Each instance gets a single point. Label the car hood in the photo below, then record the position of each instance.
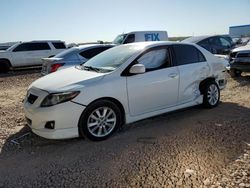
(67, 79)
(242, 48)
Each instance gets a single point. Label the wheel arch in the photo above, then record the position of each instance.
(115, 101)
(6, 60)
(204, 82)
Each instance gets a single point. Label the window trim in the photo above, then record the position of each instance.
(126, 72)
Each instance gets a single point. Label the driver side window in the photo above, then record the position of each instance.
(155, 59)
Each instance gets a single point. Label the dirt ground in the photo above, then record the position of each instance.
(194, 147)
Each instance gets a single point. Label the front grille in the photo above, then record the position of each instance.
(32, 98)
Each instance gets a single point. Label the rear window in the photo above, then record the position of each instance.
(187, 54)
(34, 46)
(59, 45)
(93, 52)
(67, 52)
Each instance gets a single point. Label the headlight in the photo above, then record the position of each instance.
(56, 98)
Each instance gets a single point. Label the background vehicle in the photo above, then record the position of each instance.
(124, 84)
(26, 54)
(141, 36)
(239, 60)
(73, 56)
(6, 45)
(217, 44)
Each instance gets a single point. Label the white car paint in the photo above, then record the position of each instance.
(142, 95)
(28, 58)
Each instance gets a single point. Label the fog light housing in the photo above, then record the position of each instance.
(50, 125)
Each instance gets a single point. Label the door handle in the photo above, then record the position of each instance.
(172, 75)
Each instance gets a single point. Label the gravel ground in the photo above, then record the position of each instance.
(194, 147)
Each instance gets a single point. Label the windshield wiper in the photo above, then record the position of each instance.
(91, 68)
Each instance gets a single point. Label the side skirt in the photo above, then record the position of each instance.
(131, 119)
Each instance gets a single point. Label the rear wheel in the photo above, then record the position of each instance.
(235, 73)
(4, 66)
(100, 120)
(211, 95)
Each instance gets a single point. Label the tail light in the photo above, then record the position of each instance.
(55, 66)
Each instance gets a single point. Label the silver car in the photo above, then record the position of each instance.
(72, 57)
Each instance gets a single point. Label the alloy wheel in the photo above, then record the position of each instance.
(101, 121)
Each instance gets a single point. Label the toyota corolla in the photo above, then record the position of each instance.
(122, 85)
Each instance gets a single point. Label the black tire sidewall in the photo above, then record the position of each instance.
(83, 129)
(4, 67)
(205, 98)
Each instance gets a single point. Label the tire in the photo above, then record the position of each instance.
(235, 73)
(211, 97)
(4, 66)
(93, 123)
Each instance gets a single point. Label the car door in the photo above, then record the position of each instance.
(157, 88)
(38, 50)
(19, 55)
(27, 54)
(193, 68)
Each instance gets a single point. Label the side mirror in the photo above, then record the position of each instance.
(137, 69)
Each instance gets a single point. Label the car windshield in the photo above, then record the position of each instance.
(119, 39)
(111, 59)
(65, 53)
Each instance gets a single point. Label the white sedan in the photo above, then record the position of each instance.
(122, 85)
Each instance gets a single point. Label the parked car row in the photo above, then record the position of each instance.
(31, 53)
(238, 57)
(95, 89)
(122, 85)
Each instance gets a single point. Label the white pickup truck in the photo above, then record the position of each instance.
(25, 54)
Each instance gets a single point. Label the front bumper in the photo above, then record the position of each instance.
(65, 115)
(242, 64)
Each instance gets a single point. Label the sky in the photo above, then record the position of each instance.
(92, 20)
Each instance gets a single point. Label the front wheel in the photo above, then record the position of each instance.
(211, 95)
(100, 120)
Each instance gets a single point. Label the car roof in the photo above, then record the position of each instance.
(155, 43)
(149, 31)
(197, 39)
(85, 46)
